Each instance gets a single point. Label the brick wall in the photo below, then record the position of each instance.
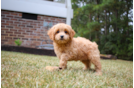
(32, 33)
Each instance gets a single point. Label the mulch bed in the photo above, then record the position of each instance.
(28, 50)
(41, 51)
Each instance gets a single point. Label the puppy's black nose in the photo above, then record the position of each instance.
(61, 36)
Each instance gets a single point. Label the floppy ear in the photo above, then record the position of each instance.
(51, 33)
(72, 33)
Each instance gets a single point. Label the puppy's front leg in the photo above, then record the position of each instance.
(63, 63)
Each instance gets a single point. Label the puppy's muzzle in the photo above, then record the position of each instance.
(61, 37)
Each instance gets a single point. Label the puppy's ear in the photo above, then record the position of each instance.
(72, 33)
(51, 33)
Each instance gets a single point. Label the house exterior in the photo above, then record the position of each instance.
(29, 20)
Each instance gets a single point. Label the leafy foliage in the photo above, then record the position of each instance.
(18, 42)
(108, 22)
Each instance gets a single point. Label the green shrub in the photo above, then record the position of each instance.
(18, 42)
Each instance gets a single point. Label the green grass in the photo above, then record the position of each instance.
(19, 70)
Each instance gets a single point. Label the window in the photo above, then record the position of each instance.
(29, 16)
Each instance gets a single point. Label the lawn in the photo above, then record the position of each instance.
(19, 70)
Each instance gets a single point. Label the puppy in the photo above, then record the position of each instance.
(68, 48)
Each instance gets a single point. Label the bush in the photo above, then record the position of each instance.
(18, 42)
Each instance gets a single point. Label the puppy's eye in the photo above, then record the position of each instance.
(66, 32)
(57, 32)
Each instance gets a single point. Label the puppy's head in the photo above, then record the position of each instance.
(61, 33)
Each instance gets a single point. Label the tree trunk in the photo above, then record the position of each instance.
(90, 20)
(115, 23)
(127, 17)
(105, 22)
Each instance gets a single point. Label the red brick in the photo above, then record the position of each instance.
(5, 18)
(25, 33)
(13, 19)
(37, 32)
(40, 24)
(4, 40)
(15, 14)
(13, 35)
(25, 28)
(9, 26)
(8, 37)
(46, 18)
(3, 15)
(16, 22)
(17, 17)
(52, 18)
(15, 38)
(5, 24)
(12, 24)
(21, 25)
(29, 31)
(58, 19)
(11, 32)
(32, 29)
(36, 26)
(33, 39)
(24, 23)
(36, 37)
(24, 38)
(9, 16)
(4, 29)
(17, 32)
(29, 26)
(28, 36)
(2, 37)
(4, 34)
(44, 42)
(20, 35)
(11, 42)
(21, 30)
(36, 42)
(39, 40)
(33, 34)
(37, 22)
(29, 21)
(9, 21)
(3, 21)
(40, 34)
(39, 17)
(21, 20)
(6, 12)
(20, 14)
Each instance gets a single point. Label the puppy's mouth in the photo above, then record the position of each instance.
(61, 39)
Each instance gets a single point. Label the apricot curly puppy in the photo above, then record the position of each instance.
(68, 48)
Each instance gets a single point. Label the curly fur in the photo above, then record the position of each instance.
(69, 48)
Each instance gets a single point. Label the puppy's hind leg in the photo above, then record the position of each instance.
(87, 64)
(97, 63)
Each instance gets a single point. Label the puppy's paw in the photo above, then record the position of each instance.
(98, 73)
(51, 68)
(60, 68)
(85, 68)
